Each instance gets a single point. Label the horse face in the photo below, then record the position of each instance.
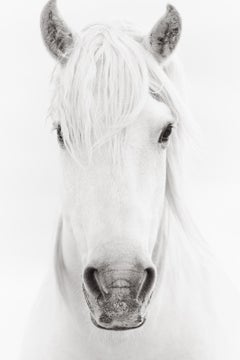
(114, 212)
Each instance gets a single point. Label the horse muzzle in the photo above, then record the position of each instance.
(118, 296)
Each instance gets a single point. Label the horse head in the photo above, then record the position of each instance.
(114, 130)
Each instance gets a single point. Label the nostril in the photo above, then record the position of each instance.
(91, 282)
(147, 284)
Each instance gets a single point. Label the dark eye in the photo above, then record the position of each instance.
(59, 135)
(164, 137)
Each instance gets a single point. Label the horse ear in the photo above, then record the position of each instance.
(165, 34)
(56, 35)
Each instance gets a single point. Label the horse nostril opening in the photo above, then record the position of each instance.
(91, 282)
(147, 284)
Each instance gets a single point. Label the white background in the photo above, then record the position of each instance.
(29, 177)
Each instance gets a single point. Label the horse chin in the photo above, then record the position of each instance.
(116, 313)
(118, 325)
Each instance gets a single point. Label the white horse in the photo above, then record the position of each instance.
(132, 279)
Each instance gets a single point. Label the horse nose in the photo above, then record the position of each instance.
(134, 281)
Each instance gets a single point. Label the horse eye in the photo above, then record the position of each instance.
(59, 135)
(164, 137)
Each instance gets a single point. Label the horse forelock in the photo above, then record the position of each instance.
(100, 90)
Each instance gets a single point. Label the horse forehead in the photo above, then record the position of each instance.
(155, 112)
